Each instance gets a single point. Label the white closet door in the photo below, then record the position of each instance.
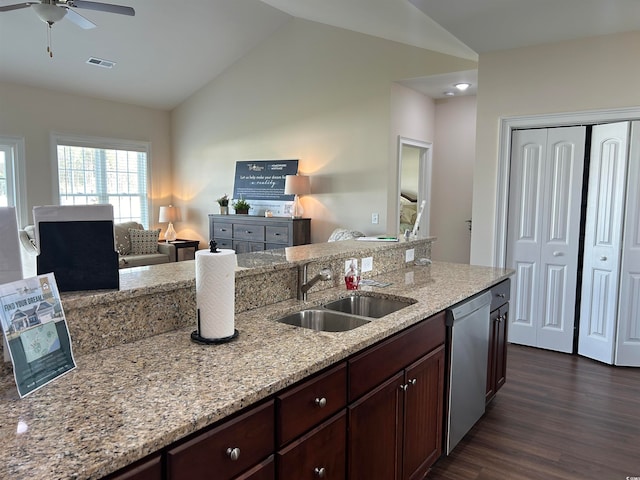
(603, 241)
(543, 234)
(628, 338)
(528, 152)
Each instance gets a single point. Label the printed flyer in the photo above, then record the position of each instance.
(36, 332)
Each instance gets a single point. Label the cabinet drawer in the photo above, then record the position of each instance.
(150, 469)
(500, 294)
(222, 230)
(243, 231)
(319, 454)
(224, 243)
(308, 404)
(277, 234)
(251, 433)
(376, 364)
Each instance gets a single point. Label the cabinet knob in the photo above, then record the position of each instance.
(413, 381)
(320, 402)
(404, 387)
(603, 258)
(233, 453)
(558, 254)
(320, 472)
(500, 295)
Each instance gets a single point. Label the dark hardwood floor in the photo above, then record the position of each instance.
(558, 417)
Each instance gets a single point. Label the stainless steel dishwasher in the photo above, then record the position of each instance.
(468, 330)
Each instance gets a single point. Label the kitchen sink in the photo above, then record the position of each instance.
(324, 320)
(366, 306)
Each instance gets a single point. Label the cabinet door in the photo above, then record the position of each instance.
(319, 454)
(423, 414)
(491, 356)
(502, 325)
(375, 432)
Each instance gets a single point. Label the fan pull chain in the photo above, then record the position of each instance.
(49, 49)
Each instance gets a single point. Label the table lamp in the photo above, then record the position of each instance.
(169, 214)
(297, 185)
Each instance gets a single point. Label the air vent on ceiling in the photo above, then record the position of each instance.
(100, 62)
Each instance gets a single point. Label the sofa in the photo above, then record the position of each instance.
(136, 247)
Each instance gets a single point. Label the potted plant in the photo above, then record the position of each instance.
(223, 201)
(241, 206)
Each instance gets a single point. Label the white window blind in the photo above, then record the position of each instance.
(98, 172)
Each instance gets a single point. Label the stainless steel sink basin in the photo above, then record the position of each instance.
(366, 306)
(324, 320)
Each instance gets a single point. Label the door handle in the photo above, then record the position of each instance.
(558, 254)
(603, 258)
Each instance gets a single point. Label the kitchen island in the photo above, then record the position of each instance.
(125, 402)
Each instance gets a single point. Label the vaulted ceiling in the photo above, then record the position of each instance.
(170, 49)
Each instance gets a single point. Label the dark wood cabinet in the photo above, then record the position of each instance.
(308, 404)
(395, 428)
(321, 453)
(375, 432)
(228, 450)
(246, 233)
(423, 414)
(498, 329)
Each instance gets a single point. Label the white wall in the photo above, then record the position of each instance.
(452, 181)
(589, 74)
(413, 117)
(34, 113)
(313, 92)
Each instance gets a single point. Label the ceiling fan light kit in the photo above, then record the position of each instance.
(52, 11)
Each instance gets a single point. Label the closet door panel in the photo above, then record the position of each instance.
(560, 239)
(628, 338)
(523, 231)
(603, 241)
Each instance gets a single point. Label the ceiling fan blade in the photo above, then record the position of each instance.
(16, 6)
(79, 20)
(102, 7)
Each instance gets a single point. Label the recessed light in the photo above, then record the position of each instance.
(462, 86)
(449, 94)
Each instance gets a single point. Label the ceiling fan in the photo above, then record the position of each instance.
(52, 11)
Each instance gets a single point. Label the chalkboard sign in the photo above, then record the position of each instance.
(263, 179)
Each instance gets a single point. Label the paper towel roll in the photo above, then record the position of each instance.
(215, 293)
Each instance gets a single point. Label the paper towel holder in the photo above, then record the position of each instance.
(195, 336)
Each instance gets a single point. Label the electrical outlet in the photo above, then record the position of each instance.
(347, 264)
(367, 264)
(409, 255)
(375, 218)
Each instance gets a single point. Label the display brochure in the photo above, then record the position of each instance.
(36, 332)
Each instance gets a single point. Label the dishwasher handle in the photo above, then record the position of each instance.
(467, 307)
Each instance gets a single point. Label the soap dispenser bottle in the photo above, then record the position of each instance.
(351, 276)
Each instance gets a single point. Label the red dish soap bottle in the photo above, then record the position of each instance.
(351, 276)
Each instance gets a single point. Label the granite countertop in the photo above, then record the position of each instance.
(126, 402)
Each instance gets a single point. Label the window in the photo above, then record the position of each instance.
(98, 171)
(12, 188)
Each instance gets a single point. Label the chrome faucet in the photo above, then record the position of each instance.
(304, 285)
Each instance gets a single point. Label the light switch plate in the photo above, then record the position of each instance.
(409, 255)
(367, 264)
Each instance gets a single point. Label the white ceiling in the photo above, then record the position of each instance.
(170, 49)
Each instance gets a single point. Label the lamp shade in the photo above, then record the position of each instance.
(297, 185)
(169, 214)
